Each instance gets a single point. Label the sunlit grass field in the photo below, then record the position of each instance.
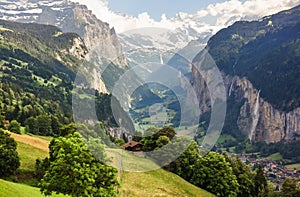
(146, 183)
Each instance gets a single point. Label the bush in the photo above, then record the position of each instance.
(14, 127)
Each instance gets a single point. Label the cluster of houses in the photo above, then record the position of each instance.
(274, 170)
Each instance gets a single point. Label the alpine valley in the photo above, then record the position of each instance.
(45, 44)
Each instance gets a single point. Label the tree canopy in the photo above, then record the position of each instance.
(290, 188)
(14, 127)
(75, 171)
(214, 174)
(9, 159)
(244, 175)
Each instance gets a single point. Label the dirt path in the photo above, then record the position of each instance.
(119, 167)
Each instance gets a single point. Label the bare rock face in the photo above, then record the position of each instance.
(71, 17)
(260, 120)
(275, 126)
(77, 49)
(201, 89)
(257, 118)
(95, 33)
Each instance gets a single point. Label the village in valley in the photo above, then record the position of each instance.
(275, 170)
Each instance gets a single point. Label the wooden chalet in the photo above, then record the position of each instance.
(133, 146)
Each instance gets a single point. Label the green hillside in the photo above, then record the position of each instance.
(152, 183)
(133, 184)
(37, 70)
(38, 65)
(18, 190)
(157, 183)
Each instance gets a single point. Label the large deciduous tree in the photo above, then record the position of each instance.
(75, 171)
(183, 165)
(213, 173)
(244, 175)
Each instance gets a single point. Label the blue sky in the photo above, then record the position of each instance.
(156, 8)
(147, 13)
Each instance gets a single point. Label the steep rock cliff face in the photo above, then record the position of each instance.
(257, 118)
(72, 17)
(260, 64)
(96, 34)
(77, 48)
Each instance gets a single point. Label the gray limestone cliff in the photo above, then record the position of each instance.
(257, 118)
(260, 65)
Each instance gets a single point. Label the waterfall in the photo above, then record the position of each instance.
(230, 88)
(161, 59)
(255, 117)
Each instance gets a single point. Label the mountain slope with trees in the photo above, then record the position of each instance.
(38, 68)
(266, 52)
(260, 64)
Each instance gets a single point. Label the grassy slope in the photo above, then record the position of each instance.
(157, 183)
(28, 155)
(18, 190)
(29, 149)
(152, 183)
(275, 156)
(293, 166)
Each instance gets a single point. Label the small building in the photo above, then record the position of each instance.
(133, 146)
(6, 123)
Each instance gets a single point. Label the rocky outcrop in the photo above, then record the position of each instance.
(275, 125)
(257, 118)
(77, 49)
(96, 34)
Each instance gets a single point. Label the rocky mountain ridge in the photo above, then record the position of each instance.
(71, 17)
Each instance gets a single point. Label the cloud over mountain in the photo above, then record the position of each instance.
(215, 16)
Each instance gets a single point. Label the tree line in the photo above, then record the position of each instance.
(215, 172)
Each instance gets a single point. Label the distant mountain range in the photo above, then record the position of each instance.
(169, 35)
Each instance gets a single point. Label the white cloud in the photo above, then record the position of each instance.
(215, 16)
